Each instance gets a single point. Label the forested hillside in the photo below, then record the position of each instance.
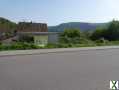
(77, 25)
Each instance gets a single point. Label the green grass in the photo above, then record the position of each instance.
(28, 46)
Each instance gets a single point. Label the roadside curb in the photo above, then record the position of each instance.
(47, 51)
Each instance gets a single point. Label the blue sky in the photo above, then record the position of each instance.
(55, 12)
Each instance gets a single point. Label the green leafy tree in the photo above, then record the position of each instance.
(86, 34)
(98, 34)
(70, 36)
(113, 31)
(7, 27)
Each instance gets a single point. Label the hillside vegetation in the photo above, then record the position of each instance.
(7, 28)
(101, 36)
(7, 25)
(77, 25)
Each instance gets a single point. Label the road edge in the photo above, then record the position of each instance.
(47, 51)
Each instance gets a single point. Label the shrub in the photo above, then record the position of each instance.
(70, 36)
(18, 46)
(50, 46)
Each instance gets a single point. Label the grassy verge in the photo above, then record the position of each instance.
(28, 46)
(18, 46)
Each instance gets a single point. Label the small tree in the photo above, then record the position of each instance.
(86, 34)
(70, 36)
(113, 31)
(98, 34)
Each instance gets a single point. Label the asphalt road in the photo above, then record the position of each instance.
(80, 70)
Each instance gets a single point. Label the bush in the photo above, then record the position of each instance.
(59, 45)
(50, 46)
(0, 43)
(98, 33)
(64, 45)
(101, 42)
(113, 43)
(70, 36)
(18, 46)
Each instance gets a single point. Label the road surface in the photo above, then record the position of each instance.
(77, 70)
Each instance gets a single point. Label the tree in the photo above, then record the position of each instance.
(7, 25)
(113, 31)
(70, 36)
(98, 34)
(7, 28)
(86, 34)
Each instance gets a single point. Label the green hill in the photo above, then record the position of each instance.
(78, 25)
(7, 25)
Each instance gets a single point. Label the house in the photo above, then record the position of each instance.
(38, 31)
